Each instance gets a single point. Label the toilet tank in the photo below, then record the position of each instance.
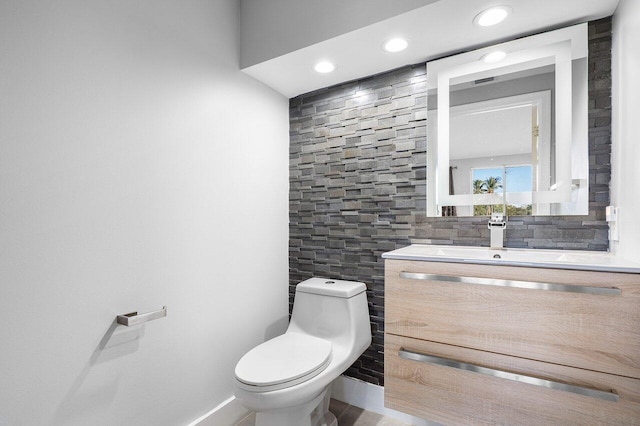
(335, 310)
(329, 287)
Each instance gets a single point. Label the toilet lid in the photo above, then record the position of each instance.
(286, 358)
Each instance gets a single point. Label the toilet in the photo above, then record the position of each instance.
(286, 380)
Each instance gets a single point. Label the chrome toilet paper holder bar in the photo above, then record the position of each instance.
(133, 318)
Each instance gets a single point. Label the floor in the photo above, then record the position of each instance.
(347, 415)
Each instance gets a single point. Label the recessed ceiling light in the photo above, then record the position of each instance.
(324, 67)
(493, 57)
(492, 16)
(395, 45)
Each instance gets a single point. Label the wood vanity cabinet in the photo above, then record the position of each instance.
(486, 344)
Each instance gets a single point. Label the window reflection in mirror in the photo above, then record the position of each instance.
(510, 186)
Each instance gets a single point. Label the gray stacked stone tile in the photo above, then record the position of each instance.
(358, 184)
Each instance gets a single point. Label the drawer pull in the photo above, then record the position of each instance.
(432, 359)
(609, 291)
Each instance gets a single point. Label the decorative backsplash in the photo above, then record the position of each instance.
(357, 184)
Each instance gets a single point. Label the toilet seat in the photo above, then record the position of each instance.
(284, 361)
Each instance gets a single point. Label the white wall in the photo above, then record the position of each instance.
(625, 180)
(277, 27)
(138, 168)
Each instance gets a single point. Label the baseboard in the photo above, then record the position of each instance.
(352, 391)
(227, 413)
(369, 397)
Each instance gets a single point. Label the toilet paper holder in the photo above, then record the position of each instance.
(133, 318)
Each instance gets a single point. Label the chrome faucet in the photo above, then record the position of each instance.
(497, 224)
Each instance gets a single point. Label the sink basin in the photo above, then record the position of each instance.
(478, 253)
(523, 255)
(563, 259)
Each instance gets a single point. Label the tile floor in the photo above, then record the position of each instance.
(347, 415)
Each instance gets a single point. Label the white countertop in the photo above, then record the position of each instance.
(558, 259)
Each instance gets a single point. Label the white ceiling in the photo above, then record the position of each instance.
(493, 133)
(436, 30)
(272, 28)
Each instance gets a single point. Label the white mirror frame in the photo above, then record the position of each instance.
(558, 47)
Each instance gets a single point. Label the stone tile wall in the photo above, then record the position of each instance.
(357, 184)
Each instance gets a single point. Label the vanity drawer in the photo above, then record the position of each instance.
(566, 321)
(449, 395)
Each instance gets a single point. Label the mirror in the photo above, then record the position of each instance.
(510, 135)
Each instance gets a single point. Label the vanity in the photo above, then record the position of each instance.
(514, 336)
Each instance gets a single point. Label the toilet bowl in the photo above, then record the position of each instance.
(286, 380)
